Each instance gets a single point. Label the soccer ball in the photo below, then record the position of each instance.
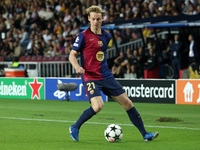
(113, 133)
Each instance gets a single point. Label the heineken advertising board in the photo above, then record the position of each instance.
(22, 88)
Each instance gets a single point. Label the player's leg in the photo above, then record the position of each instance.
(97, 104)
(74, 129)
(134, 116)
(115, 90)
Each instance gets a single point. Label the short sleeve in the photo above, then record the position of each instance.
(79, 43)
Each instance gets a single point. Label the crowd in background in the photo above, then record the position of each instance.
(49, 27)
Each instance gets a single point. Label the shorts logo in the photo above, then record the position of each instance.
(100, 43)
(92, 92)
(100, 56)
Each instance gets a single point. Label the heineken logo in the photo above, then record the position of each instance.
(35, 86)
(13, 89)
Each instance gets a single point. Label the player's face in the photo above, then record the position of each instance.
(95, 20)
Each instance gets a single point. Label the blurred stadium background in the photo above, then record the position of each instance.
(36, 37)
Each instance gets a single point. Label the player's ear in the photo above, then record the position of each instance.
(88, 18)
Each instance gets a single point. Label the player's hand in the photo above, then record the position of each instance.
(80, 70)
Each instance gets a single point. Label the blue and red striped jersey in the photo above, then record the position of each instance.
(92, 48)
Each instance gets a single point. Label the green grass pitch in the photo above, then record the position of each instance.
(44, 125)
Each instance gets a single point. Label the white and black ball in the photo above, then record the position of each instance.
(113, 133)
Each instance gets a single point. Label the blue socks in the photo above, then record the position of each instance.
(87, 114)
(132, 113)
(136, 120)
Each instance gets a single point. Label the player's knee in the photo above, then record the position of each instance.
(128, 104)
(98, 108)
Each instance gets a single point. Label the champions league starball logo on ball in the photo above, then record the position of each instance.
(113, 133)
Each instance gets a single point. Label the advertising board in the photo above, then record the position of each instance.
(52, 93)
(22, 88)
(151, 91)
(188, 92)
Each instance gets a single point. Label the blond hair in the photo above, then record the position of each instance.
(95, 9)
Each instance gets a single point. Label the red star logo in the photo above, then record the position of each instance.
(35, 86)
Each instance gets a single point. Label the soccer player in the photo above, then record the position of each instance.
(96, 75)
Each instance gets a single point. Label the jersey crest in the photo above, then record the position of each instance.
(100, 43)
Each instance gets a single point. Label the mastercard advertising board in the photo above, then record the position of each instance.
(188, 92)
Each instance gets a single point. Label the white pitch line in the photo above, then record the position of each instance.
(47, 120)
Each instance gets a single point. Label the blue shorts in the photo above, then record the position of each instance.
(109, 87)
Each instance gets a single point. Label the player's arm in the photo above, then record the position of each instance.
(74, 62)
